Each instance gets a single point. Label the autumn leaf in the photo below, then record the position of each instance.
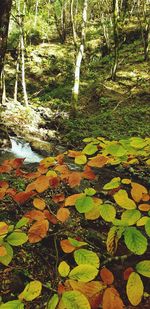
(4, 184)
(3, 228)
(5, 168)
(32, 175)
(66, 246)
(58, 198)
(63, 214)
(47, 162)
(17, 162)
(3, 250)
(42, 169)
(50, 217)
(38, 231)
(134, 289)
(127, 273)
(36, 215)
(42, 183)
(39, 203)
(12, 192)
(106, 275)
(98, 161)
(70, 200)
(22, 197)
(144, 207)
(2, 193)
(111, 299)
(74, 179)
(74, 153)
(88, 173)
(137, 191)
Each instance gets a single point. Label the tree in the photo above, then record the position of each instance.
(5, 8)
(115, 34)
(75, 90)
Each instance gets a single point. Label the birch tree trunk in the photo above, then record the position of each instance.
(75, 90)
(116, 41)
(5, 8)
(74, 34)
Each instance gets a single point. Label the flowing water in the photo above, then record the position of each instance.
(20, 149)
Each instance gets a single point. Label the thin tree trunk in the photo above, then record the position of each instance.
(36, 13)
(3, 87)
(73, 23)
(75, 90)
(115, 33)
(17, 75)
(5, 8)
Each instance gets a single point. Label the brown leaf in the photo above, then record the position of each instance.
(137, 191)
(127, 273)
(74, 179)
(42, 183)
(66, 246)
(63, 214)
(144, 207)
(4, 184)
(98, 161)
(106, 275)
(58, 198)
(50, 217)
(38, 231)
(112, 300)
(88, 173)
(35, 215)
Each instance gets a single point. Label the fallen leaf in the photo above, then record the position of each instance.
(106, 275)
(63, 214)
(38, 231)
(39, 203)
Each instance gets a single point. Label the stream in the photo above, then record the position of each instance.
(20, 149)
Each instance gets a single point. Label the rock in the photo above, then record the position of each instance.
(42, 147)
(4, 137)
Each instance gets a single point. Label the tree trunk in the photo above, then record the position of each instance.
(75, 90)
(116, 41)
(73, 23)
(5, 8)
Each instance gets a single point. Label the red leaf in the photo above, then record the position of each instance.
(54, 182)
(22, 197)
(88, 173)
(17, 162)
(50, 217)
(107, 276)
(127, 273)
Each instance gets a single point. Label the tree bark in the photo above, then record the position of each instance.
(5, 8)
(116, 41)
(75, 90)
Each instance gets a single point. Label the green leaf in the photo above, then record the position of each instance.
(147, 227)
(113, 184)
(22, 222)
(75, 300)
(76, 243)
(13, 304)
(107, 212)
(84, 204)
(131, 216)
(135, 241)
(6, 259)
(53, 302)
(64, 269)
(83, 256)
(137, 142)
(116, 150)
(17, 238)
(84, 273)
(90, 191)
(31, 291)
(143, 268)
(90, 149)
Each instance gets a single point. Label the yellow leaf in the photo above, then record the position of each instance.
(82, 159)
(3, 228)
(122, 199)
(126, 181)
(39, 203)
(62, 214)
(142, 221)
(51, 173)
(134, 289)
(49, 161)
(64, 269)
(31, 291)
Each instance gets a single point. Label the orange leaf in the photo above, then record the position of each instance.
(63, 170)
(4, 184)
(3, 228)
(107, 276)
(5, 168)
(35, 215)
(88, 173)
(20, 173)
(66, 246)
(38, 231)
(30, 187)
(145, 197)
(112, 300)
(137, 191)
(60, 158)
(74, 179)
(61, 288)
(3, 251)
(54, 182)
(63, 214)
(70, 200)
(22, 197)
(58, 198)
(144, 207)
(32, 175)
(42, 183)
(10, 191)
(50, 217)
(2, 193)
(98, 161)
(127, 273)
(74, 153)
(42, 169)
(39, 203)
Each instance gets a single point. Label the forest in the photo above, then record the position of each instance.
(74, 154)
